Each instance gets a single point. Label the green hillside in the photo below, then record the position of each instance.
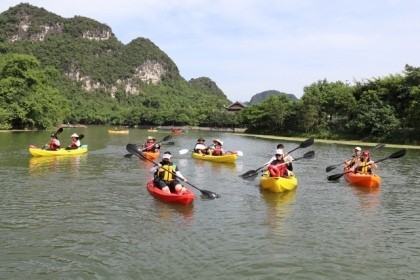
(102, 80)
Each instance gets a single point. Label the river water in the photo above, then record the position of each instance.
(91, 217)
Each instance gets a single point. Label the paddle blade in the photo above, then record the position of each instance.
(398, 154)
(209, 194)
(59, 130)
(309, 155)
(379, 145)
(184, 151)
(335, 177)
(249, 173)
(128, 155)
(166, 138)
(306, 143)
(331, 167)
(239, 153)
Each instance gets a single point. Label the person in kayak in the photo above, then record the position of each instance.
(286, 157)
(150, 145)
(278, 167)
(216, 149)
(74, 142)
(54, 143)
(166, 174)
(200, 147)
(365, 165)
(355, 158)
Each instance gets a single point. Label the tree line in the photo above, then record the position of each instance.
(379, 109)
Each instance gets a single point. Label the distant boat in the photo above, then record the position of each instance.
(118, 131)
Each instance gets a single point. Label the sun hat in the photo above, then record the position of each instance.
(218, 141)
(167, 155)
(150, 138)
(74, 135)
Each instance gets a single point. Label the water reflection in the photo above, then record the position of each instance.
(171, 211)
(38, 165)
(279, 207)
(369, 197)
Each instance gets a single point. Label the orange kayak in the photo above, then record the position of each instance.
(184, 199)
(364, 180)
(151, 155)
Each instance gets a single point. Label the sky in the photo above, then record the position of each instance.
(250, 46)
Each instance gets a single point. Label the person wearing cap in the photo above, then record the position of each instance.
(200, 147)
(355, 158)
(216, 149)
(54, 143)
(365, 165)
(150, 145)
(166, 174)
(286, 157)
(277, 167)
(74, 141)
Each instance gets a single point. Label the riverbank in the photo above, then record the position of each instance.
(339, 142)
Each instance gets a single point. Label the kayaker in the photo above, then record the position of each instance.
(365, 165)
(216, 149)
(150, 145)
(200, 147)
(286, 157)
(355, 158)
(74, 142)
(54, 143)
(277, 167)
(166, 174)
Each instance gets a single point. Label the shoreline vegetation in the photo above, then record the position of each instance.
(326, 141)
(273, 137)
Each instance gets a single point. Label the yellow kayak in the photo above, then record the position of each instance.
(278, 184)
(229, 158)
(38, 152)
(118, 131)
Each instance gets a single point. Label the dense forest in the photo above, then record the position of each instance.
(55, 70)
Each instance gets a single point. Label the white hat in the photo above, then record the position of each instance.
(150, 138)
(167, 155)
(74, 135)
(218, 141)
(358, 148)
(279, 152)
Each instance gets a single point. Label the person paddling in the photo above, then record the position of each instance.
(277, 167)
(365, 165)
(355, 158)
(166, 174)
(200, 147)
(54, 143)
(74, 142)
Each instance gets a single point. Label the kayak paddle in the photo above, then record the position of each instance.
(398, 154)
(166, 138)
(254, 173)
(132, 148)
(252, 176)
(332, 167)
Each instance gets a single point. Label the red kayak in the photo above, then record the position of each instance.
(184, 199)
(364, 180)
